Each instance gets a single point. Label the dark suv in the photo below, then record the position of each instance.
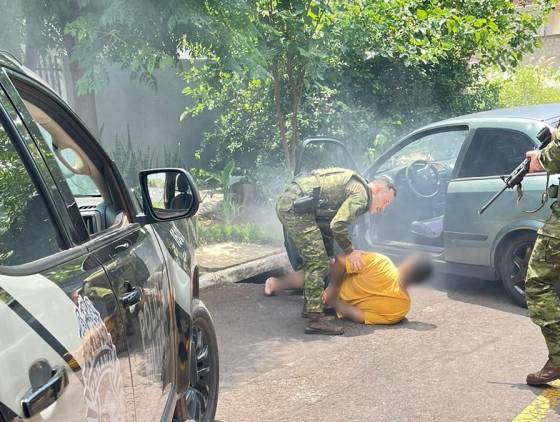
(99, 307)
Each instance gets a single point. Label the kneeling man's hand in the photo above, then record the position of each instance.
(356, 261)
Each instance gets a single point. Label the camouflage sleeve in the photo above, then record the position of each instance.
(550, 156)
(354, 205)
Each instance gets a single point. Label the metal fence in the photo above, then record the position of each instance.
(50, 67)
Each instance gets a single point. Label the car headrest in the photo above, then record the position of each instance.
(183, 183)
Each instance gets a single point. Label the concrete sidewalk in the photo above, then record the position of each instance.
(230, 262)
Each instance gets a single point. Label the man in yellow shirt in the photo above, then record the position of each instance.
(376, 294)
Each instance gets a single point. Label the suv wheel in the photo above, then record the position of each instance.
(202, 396)
(513, 265)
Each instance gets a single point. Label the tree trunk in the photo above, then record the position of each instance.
(84, 105)
(296, 87)
(280, 117)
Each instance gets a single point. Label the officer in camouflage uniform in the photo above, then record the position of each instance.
(544, 271)
(341, 196)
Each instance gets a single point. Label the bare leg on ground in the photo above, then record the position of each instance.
(292, 280)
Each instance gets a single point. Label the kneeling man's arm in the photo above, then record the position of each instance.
(336, 273)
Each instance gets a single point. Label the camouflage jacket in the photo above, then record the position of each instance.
(344, 196)
(550, 160)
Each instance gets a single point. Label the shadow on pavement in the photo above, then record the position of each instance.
(488, 293)
(353, 329)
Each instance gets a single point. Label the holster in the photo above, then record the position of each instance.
(308, 203)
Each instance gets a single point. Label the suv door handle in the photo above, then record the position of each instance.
(38, 399)
(121, 247)
(132, 297)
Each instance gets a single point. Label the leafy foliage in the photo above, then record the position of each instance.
(537, 83)
(365, 71)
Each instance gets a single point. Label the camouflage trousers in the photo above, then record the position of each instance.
(542, 298)
(308, 240)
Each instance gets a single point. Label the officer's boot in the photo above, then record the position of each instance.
(547, 374)
(321, 324)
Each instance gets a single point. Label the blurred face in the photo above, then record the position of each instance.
(405, 267)
(381, 197)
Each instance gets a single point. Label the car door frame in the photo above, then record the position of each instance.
(414, 136)
(46, 187)
(325, 140)
(397, 250)
(478, 240)
(72, 225)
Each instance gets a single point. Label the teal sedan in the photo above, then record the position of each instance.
(444, 173)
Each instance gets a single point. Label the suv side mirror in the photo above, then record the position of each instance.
(168, 194)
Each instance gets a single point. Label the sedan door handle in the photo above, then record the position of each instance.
(131, 297)
(38, 399)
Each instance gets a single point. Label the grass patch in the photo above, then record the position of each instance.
(242, 233)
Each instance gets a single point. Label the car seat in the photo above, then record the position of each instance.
(427, 231)
(184, 200)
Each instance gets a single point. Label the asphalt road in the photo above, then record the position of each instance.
(462, 355)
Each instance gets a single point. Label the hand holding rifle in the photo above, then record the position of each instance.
(531, 164)
(535, 165)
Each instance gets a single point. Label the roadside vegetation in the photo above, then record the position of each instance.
(274, 72)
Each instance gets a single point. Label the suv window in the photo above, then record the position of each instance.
(27, 232)
(79, 184)
(442, 147)
(495, 152)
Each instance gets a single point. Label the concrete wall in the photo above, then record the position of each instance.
(549, 51)
(550, 41)
(151, 115)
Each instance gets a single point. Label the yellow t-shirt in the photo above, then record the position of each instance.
(376, 290)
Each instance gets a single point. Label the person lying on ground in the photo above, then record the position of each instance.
(376, 294)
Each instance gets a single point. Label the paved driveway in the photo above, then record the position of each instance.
(462, 356)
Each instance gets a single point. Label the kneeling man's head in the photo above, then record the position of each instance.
(416, 269)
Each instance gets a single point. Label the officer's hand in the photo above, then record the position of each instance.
(328, 296)
(535, 165)
(356, 261)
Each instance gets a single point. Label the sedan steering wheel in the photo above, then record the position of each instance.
(423, 178)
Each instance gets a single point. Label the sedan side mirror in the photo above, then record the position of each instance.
(168, 194)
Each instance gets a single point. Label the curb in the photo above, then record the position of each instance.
(245, 270)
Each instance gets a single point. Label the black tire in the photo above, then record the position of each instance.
(204, 338)
(512, 265)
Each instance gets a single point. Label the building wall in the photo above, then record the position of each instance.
(151, 116)
(550, 41)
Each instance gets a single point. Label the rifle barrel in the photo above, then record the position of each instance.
(485, 206)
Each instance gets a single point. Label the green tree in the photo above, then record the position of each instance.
(537, 83)
(139, 35)
(397, 62)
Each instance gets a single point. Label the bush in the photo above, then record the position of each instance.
(537, 83)
(246, 233)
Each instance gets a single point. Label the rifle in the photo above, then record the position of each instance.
(516, 176)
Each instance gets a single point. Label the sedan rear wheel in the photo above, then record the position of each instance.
(513, 265)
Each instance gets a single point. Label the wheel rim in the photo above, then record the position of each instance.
(519, 262)
(200, 393)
